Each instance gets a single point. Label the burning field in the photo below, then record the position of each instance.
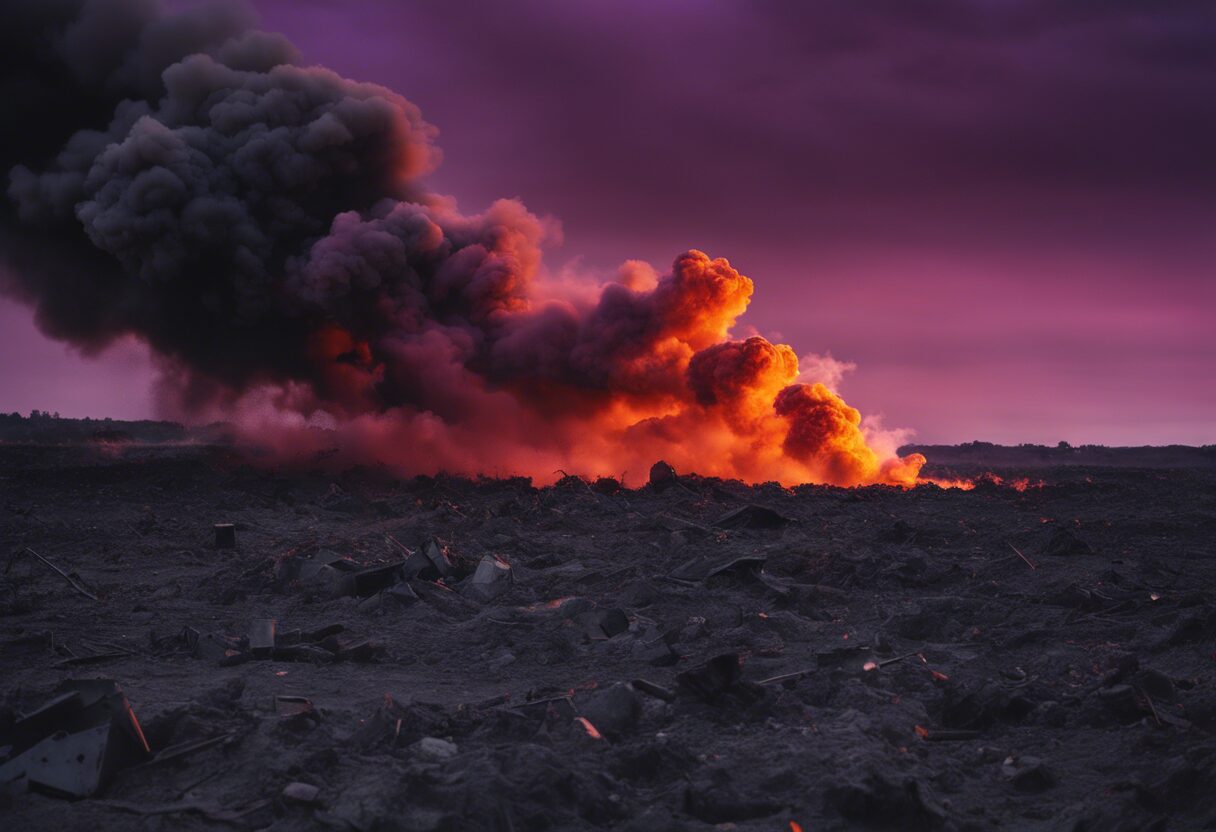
(365, 651)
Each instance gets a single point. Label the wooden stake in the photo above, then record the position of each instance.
(75, 584)
(1018, 552)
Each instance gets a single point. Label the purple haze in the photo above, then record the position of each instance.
(1004, 214)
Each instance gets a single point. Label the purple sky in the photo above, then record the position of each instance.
(1003, 213)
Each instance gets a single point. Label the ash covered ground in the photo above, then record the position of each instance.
(654, 659)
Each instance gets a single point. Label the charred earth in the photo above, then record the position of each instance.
(367, 652)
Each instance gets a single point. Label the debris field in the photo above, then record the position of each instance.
(191, 642)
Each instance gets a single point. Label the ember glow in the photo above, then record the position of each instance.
(266, 229)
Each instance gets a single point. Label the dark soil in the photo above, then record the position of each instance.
(925, 659)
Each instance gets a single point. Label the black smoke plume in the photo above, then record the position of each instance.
(264, 227)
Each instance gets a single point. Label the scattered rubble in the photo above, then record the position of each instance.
(436, 653)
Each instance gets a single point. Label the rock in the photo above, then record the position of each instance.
(301, 792)
(601, 624)
(1192, 628)
(613, 710)
(1029, 774)
(492, 578)
(1064, 543)
(430, 563)
(718, 678)
(662, 476)
(606, 485)
(751, 517)
(436, 749)
(1121, 702)
(261, 637)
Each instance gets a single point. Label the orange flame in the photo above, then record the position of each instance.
(591, 730)
(661, 379)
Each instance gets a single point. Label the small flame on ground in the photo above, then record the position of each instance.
(591, 730)
(989, 478)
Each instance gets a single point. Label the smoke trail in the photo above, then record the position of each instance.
(264, 228)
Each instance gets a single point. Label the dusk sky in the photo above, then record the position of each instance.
(1004, 213)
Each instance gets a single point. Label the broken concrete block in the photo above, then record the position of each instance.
(402, 594)
(430, 563)
(601, 624)
(261, 637)
(76, 742)
(367, 582)
(324, 573)
(225, 536)
(492, 578)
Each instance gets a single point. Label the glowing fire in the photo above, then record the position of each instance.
(678, 388)
(1018, 484)
(591, 730)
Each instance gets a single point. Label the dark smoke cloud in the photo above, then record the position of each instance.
(217, 164)
(263, 226)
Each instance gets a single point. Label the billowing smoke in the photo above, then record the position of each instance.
(264, 227)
